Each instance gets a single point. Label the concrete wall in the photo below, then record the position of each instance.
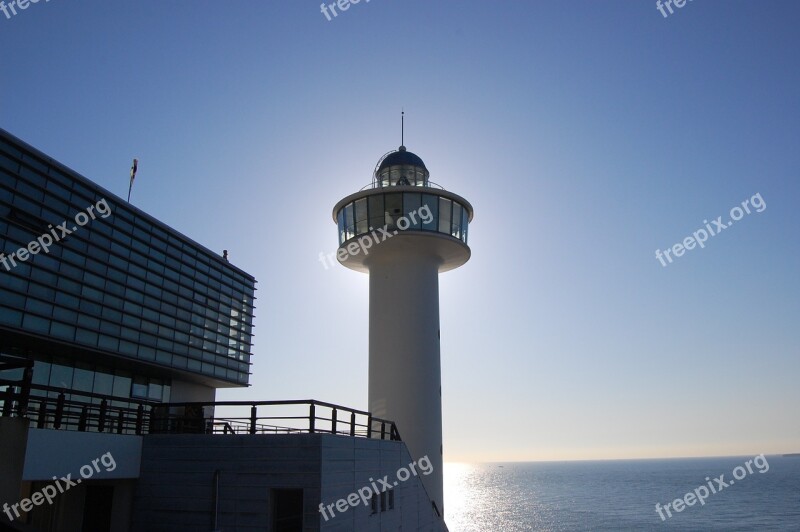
(175, 489)
(13, 443)
(351, 464)
(60, 452)
(190, 392)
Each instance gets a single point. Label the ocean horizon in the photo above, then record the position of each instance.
(606, 495)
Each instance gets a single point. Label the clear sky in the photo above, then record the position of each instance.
(587, 134)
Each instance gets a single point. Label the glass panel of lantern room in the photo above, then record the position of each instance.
(456, 232)
(409, 175)
(445, 206)
(340, 219)
(349, 224)
(420, 180)
(394, 175)
(411, 206)
(394, 209)
(376, 212)
(429, 212)
(361, 216)
(464, 224)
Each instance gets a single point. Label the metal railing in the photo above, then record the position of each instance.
(56, 408)
(269, 417)
(375, 184)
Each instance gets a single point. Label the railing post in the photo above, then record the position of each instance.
(333, 422)
(41, 420)
(369, 426)
(25, 392)
(120, 421)
(352, 424)
(82, 419)
(139, 419)
(253, 419)
(383, 430)
(311, 418)
(59, 411)
(101, 422)
(8, 401)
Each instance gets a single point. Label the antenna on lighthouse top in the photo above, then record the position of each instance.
(402, 127)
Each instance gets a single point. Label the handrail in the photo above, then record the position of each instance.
(87, 411)
(374, 184)
(204, 417)
(92, 395)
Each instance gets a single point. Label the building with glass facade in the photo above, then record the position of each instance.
(118, 303)
(115, 333)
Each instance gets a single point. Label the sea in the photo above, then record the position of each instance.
(622, 495)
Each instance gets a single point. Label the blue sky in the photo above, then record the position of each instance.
(587, 134)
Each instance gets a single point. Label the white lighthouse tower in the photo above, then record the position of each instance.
(403, 230)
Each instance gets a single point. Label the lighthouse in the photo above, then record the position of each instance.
(404, 230)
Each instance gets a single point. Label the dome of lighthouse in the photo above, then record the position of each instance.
(401, 168)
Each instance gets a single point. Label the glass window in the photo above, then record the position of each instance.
(41, 373)
(340, 220)
(37, 324)
(411, 205)
(62, 331)
(122, 384)
(139, 388)
(130, 334)
(361, 216)
(83, 379)
(94, 280)
(91, 293)
(44, 276)
(89, 322)
(68, 316)
(61, 376)
(393, 209)
(69, 286)
(39, 307)
(133, 295)
(86, 337)
(103, 383)
(445, 206)
(376, 211)
(71, 256)
(66, 300)
(128, 348)
(430, 212)
(147, 339)
(5, 162)
(349, 222)
(464, 224)
(147, 353)
(10, 299)
(155, 391)
(108, 327)
(456, 232)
